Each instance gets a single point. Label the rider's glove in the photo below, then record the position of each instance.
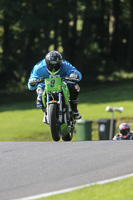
(40, 80)
(74, 76)
(33, 82)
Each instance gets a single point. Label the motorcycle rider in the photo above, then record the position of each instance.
(124, 132)
(53, 64)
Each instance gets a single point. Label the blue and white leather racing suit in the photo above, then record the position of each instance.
(40, 70)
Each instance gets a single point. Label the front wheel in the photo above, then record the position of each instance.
(53, 122)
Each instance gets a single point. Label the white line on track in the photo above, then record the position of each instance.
(74, 188)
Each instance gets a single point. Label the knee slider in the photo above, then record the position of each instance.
(39, 91)
(77, 88)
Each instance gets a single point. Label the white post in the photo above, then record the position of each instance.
(112, 109)
(111, 127)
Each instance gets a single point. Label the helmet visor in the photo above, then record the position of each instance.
(124, 131)
(53, 68)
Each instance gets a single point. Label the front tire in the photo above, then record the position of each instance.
(53, 122)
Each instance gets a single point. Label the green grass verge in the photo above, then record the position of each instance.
(23, 124)
(119, 190)
(20, 120)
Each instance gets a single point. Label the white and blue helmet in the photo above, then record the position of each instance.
(124, 128)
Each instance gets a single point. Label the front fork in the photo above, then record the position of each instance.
(47, 108)
(60, 107)
(67, 115)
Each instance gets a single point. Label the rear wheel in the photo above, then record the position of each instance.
(53, 122)
(68, 137)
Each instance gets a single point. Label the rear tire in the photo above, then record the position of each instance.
(53, 122)
(68, 137)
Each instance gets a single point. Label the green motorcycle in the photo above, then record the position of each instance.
(57, 107)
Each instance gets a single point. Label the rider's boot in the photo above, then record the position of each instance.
(39, 103)
(44, 118)
(45, 115)
(76, 114)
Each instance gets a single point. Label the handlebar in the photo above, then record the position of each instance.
(41, 79)
(69, 78)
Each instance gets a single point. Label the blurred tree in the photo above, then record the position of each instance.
(94, 35)
(9, 14)
(113, 28)
(130, 56)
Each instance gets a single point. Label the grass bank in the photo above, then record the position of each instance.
(119, 190)
(20, 120)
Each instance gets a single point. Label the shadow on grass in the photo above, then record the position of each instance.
(18, 101)
(104, 93)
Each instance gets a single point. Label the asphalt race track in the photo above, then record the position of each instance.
(32, 168)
